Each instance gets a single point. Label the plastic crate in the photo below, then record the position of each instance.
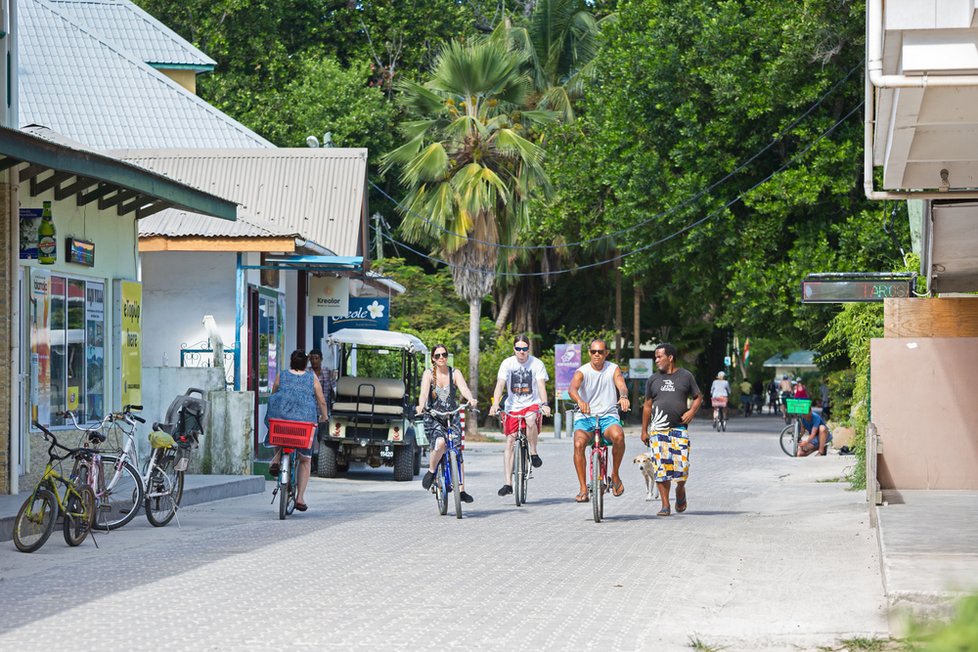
(290, 434)
(798, 406)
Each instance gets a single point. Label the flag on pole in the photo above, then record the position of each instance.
(746, 352)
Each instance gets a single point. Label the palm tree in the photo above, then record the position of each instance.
(468, 167)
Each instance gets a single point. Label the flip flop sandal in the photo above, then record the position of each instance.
(681, 506)
(301, 507)
(618, 489)
(664, 512)
(582, 497)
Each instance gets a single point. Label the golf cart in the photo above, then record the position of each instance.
(372, 419)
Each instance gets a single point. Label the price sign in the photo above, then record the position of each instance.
(854, 290)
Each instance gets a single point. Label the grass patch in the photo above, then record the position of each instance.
(696, 644)
(480, 438)
(836, 479)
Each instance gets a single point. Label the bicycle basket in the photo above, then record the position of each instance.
(290, 434)
(798, 406)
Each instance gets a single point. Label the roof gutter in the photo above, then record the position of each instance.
(876, 79)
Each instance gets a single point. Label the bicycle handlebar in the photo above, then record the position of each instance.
(47, 434)
(439, 413)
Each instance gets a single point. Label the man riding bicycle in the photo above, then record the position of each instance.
(599, 389)
(525, 379)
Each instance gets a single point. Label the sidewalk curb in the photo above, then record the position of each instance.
(197, 489)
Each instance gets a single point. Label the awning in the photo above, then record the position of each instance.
(43, 165)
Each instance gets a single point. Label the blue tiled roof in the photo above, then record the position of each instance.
(131, 29)
(76, 83)
(793, 359)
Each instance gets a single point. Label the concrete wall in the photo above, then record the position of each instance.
(179, 288)
(923, 404)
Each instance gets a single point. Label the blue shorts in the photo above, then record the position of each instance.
(587, 424)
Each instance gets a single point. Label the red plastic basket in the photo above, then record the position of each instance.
(290, 434)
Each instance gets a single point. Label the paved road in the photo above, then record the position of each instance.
(771, 555)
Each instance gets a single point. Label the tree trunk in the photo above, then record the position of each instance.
(636, 317)
(505, 307)
(475, 307)
(619, 339)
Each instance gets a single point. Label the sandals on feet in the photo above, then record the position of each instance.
(617, 489)
(274, 469)
(681, 505)
(582, 497)
(301, 507)
(664, 512)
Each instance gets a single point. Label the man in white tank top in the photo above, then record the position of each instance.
(599, 389)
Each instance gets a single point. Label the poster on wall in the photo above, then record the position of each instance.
(40, 316)
(329, 296)
(365, 312)
(95, 349)
(129, 359)
(30, 219)
(567, 358)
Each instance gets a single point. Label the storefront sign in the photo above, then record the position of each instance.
(567, 359)
(329, 296)
(365, 312)
(30, 219)
(129, 304)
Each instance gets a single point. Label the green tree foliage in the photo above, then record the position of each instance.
(467, 164)
(692, 91)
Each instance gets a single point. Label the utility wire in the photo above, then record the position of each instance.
(686, 202)
(653, 244)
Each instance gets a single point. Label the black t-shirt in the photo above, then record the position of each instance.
(669, 394)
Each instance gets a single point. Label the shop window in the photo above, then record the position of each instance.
(269, 328)
(77, 349)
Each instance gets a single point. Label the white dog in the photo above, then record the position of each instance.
(647, 466)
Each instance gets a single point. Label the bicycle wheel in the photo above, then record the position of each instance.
(526, 473)
(35, 520)
(293, 482)
(789, 444)
(441, 490)
(121, 495)
(519, 470)
(163, 491)
(723, 421)
(597, 486)
(456, 482)
(79, 512)
(284, 487)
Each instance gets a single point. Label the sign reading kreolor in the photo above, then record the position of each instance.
(329, 296)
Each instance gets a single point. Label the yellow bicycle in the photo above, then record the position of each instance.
(36, 517)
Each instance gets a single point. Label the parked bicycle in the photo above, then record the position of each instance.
(448, 471)
(794, 410)
(522, 470)
(76, 503)
(291, 436)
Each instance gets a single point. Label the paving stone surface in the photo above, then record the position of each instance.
(773, 553)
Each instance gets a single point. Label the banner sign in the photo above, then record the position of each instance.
(365, 312)
(640, 368)
(40, 346)
(329, 296)
(30, 219)
(567, 360)
(129, 308)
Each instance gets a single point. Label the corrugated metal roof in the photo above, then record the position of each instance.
(176, 223)
(129, 28)
(317, 193)
(77, 84)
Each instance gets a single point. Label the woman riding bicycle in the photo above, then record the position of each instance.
(719, 394)
(296, 395)
(438, 391)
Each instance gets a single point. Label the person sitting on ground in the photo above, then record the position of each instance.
(816, 435)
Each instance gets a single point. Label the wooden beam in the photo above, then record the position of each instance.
(31, 171)
(80, 184)
(109, 201)
(133, 204)
(85, 198)
(8, 162)
(931, 317)
(280, 244)
(152, 209)
(37, 187)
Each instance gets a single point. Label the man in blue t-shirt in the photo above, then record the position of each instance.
(816, 436)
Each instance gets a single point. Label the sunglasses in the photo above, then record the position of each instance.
(435, 356)
(521, 348)
(598, 351)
